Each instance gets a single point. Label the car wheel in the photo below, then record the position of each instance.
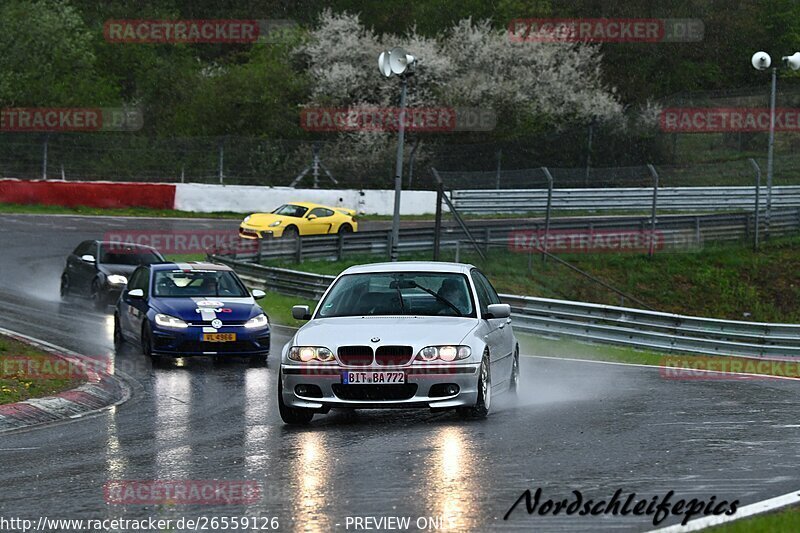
(98, 298)
(147, 342)
(514, 382)
(64, 289)
(345, 228)
(292, 415)
(291, 232)
(119, 340)
(484, 401)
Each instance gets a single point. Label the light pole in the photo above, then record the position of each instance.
(762, 61)
(397, 61)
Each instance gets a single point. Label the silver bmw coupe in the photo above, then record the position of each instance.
(405, 334)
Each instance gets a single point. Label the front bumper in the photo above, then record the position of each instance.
(183, 342)
(321, 387)
(246, 232)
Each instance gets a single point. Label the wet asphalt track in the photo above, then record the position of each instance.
(579, 426)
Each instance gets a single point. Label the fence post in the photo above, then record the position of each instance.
(458, 251)
(547, 210)
(389, 244)
(757, 208)
(487, 232)
(44, 156)
(298, 249)
(221, 159)
(259, 253)
(437, 230)
(697, 230)
(340, 247)
(653, 173)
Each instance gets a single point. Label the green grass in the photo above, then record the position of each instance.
(279, 308)
(787, 521)
(16, 385)
(720, 280)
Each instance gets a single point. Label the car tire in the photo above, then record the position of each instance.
(484, 401)
(64, 288)
(345, 228)
(291, 232)
(99, 300)
(119, 339)
(293, 416)
(513, 384)
(147, 343)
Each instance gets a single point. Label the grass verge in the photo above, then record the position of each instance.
(787, 521)
(279, 308)
(28, 372)
(726, 280)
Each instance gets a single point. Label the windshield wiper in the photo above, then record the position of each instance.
(439, 297)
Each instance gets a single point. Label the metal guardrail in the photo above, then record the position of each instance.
(619, 199)
(590, 322)
(677, 231)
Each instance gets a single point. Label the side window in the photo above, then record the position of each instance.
(139, 280)
(483, 295)
(321, 212)
(493, 297)
(82, 248)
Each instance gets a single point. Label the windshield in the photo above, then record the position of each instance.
(127, 254)
(201, 283)
(291, 210)
(399, 293)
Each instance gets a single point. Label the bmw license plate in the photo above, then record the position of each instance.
(373, 378)
(219, 337)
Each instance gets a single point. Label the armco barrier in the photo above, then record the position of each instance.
(90, 194)
(609, 324)
(697, 199)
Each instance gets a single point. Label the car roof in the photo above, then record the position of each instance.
(309, 205)
(411, 266)
(121, 243)
(191, 265)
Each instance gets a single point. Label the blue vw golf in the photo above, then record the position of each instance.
(188, 309)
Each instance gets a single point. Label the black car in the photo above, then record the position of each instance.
(99, 269)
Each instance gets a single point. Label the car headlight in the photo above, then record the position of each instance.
(276, 223)
(246, 219)
(444, 353)
(258, 321)
(116, 279)
(305, 354)
(170, 321)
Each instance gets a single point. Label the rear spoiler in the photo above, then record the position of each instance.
(351, 212)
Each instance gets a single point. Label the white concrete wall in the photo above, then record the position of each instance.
(205, 198)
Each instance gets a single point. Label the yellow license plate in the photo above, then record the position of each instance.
(219, 337)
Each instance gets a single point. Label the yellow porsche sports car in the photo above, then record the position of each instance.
(299, 218)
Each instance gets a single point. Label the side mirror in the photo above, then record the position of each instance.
(136, 293)
(87, 258)
(499, 311)
(258, 294)
(311, 217)
(301, 312)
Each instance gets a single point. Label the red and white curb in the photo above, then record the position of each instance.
(102, 391)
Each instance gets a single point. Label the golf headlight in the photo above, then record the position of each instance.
(116, 279)
(258, 321)
(310, 353)
(276, 223)
(170, 321)
(444, 353)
